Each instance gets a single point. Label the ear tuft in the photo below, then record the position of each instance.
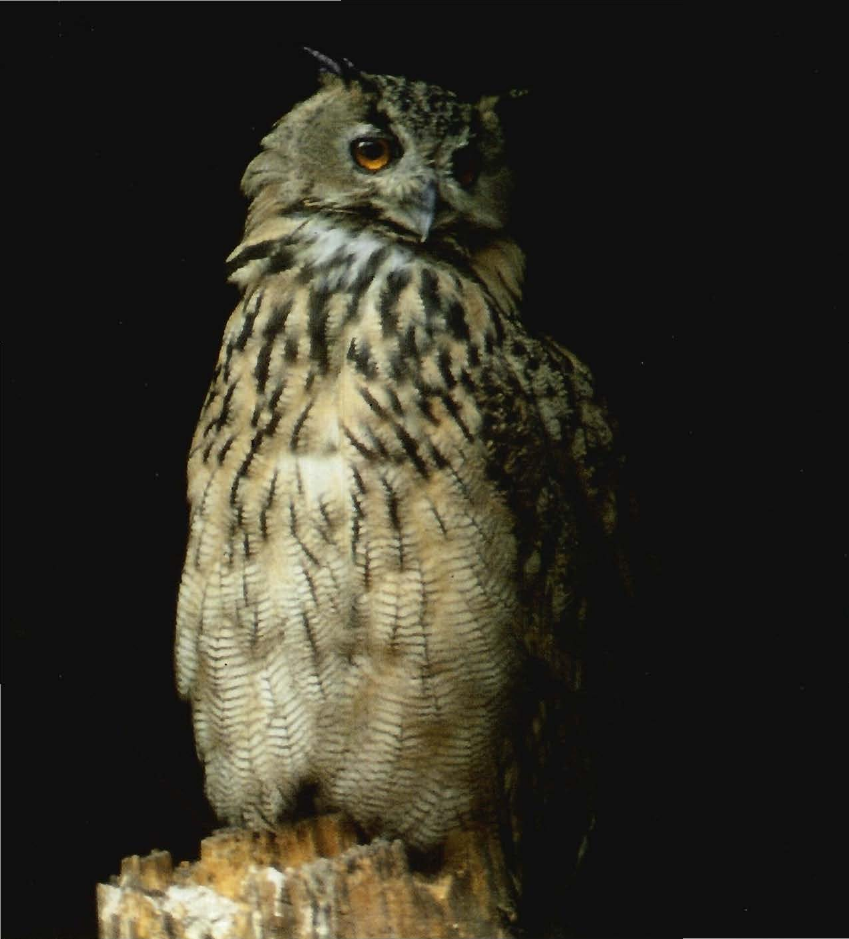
(346, 70)
(491, 102)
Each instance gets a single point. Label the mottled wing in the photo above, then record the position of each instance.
(551, 450)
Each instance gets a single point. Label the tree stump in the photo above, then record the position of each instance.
(309, 880)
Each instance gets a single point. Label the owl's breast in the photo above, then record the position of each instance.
(351, 572)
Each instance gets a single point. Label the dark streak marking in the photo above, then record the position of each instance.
(228, 353)
(311, 585)
(317, 313)
(351, 312)
(279, 260)
(395, 402)
(464, 489)
(299, 423)
(290, 349)
(407, 343)
(328, 524)
(365, 276)
(224, 414)
(396, 281)
(444, 363)
(277, 320)
(360, 355)
(394, 518)
(262, 250)
(369, 399)
(358, 514)
(366, 571)
(243, 469)
(456, 321)
(396, 618)
(438, 518)
(377, 443)
(222, 453)
(358, 480)
(429, 293)
(263, 360)
(270, 332)
(275, 398)
(306, 274)
(248, 323)
(427, 666)
(454, 411)
(411, 448)
(361, 448)
(263, 515)
(397, 368)
(270, 428)
(424, 405)
(439, 458)
(313, 646)
(212, 394)
(293, 529)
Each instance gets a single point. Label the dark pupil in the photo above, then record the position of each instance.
(466, 165)
(371, 149)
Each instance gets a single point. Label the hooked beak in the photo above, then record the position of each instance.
(421, 208)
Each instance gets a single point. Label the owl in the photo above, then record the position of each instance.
(397, 492)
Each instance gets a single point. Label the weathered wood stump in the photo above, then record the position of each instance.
(308, 880)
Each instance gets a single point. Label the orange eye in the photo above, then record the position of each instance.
(372, 153)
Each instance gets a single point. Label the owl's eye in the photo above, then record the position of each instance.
(372, 153)
(467, 165)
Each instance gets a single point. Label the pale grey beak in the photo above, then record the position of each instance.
(422, 208)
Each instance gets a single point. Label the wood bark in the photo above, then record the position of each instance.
(309, 880)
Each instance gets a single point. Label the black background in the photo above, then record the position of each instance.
(675, 202)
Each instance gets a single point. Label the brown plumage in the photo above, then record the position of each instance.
(394, 488)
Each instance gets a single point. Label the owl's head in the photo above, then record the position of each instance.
(407, 157)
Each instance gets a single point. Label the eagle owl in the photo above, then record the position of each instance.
(395, 489)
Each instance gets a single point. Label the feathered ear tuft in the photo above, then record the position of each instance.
(346, 70)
